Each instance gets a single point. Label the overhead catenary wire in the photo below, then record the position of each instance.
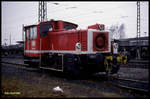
(62, 8)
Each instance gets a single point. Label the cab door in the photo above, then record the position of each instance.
(44, 37)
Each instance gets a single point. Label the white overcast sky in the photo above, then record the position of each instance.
(14, 14)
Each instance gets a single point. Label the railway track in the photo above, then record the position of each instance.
(14, 57)
(22, 66)
(137, 64)
(130, 84)
(131, 64)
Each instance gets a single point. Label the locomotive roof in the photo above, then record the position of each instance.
(62, 21)
(71, 23)
(52, 21)
(30, 26)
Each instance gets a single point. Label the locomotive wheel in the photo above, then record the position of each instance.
(111, 65)
(71, 66)
(73, 73)
(115, 66)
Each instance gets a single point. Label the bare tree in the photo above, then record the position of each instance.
(113, 31)
(117, 31)
(121, 31)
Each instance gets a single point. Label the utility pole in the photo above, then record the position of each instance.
(42, 15)
(10, 38)
(138, 30)
(5, 42)
(23, 32)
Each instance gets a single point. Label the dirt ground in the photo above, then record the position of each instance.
(21, 83)
(26, 89)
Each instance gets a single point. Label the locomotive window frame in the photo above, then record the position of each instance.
(31, 33)
(34, 32)
(44, 29)
(69, 27)
(27, 35)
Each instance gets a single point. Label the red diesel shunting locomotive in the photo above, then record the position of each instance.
(58, 45)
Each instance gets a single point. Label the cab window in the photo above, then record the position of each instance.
(69, 27)
(34, 32)
(31, 33)
(27, 36)
(44, 29)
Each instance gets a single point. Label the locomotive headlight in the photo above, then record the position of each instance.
(100, 27)
(78, 46)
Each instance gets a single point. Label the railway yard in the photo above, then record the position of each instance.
(19, 81)
(63, 56)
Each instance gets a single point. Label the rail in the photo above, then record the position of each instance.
(131, 84)
(22, 66)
